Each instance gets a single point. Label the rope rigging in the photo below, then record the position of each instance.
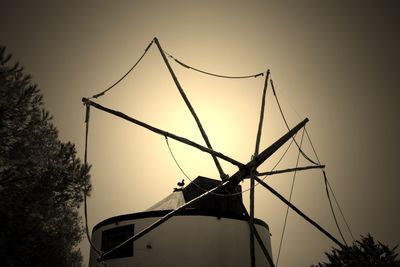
(316, 164)
(299, 212)
(287, 125)
(290, 200)
(210, 73)
(327, 185)
(331, 207)
(123, 76)
(341, 212)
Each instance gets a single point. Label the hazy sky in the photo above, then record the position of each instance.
(335, 62)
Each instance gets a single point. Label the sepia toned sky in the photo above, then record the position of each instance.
(335, 62)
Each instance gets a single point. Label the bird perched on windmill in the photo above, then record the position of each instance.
(180, 185)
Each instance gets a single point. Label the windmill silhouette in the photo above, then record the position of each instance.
(227, 186)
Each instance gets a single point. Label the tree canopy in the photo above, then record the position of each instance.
(364, 252)
(41, 179)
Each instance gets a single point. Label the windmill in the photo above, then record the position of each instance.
(204, 223)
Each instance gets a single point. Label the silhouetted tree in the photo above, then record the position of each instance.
(365, 252)
(41, 179)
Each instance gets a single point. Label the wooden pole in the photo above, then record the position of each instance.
(163, 133)
(196, 118)
(251, 221)
(294, 208)
(264, 155)
(252, 184)
(291, 170)
(259, 240)
(259, 159)
(260, 123)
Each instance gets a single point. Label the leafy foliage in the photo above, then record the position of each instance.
(365, 252)
(41, 179)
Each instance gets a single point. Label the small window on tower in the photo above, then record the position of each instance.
(115, 236)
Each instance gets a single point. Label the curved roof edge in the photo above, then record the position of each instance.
(186, 212)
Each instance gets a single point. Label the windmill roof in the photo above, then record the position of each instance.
(222, 202)
(170, 202)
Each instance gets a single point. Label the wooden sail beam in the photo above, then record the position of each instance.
(259, 159)
(196, 118)
(291, 170)
(244, 172)
(163, 133)
(299, 212)
(261, 121)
